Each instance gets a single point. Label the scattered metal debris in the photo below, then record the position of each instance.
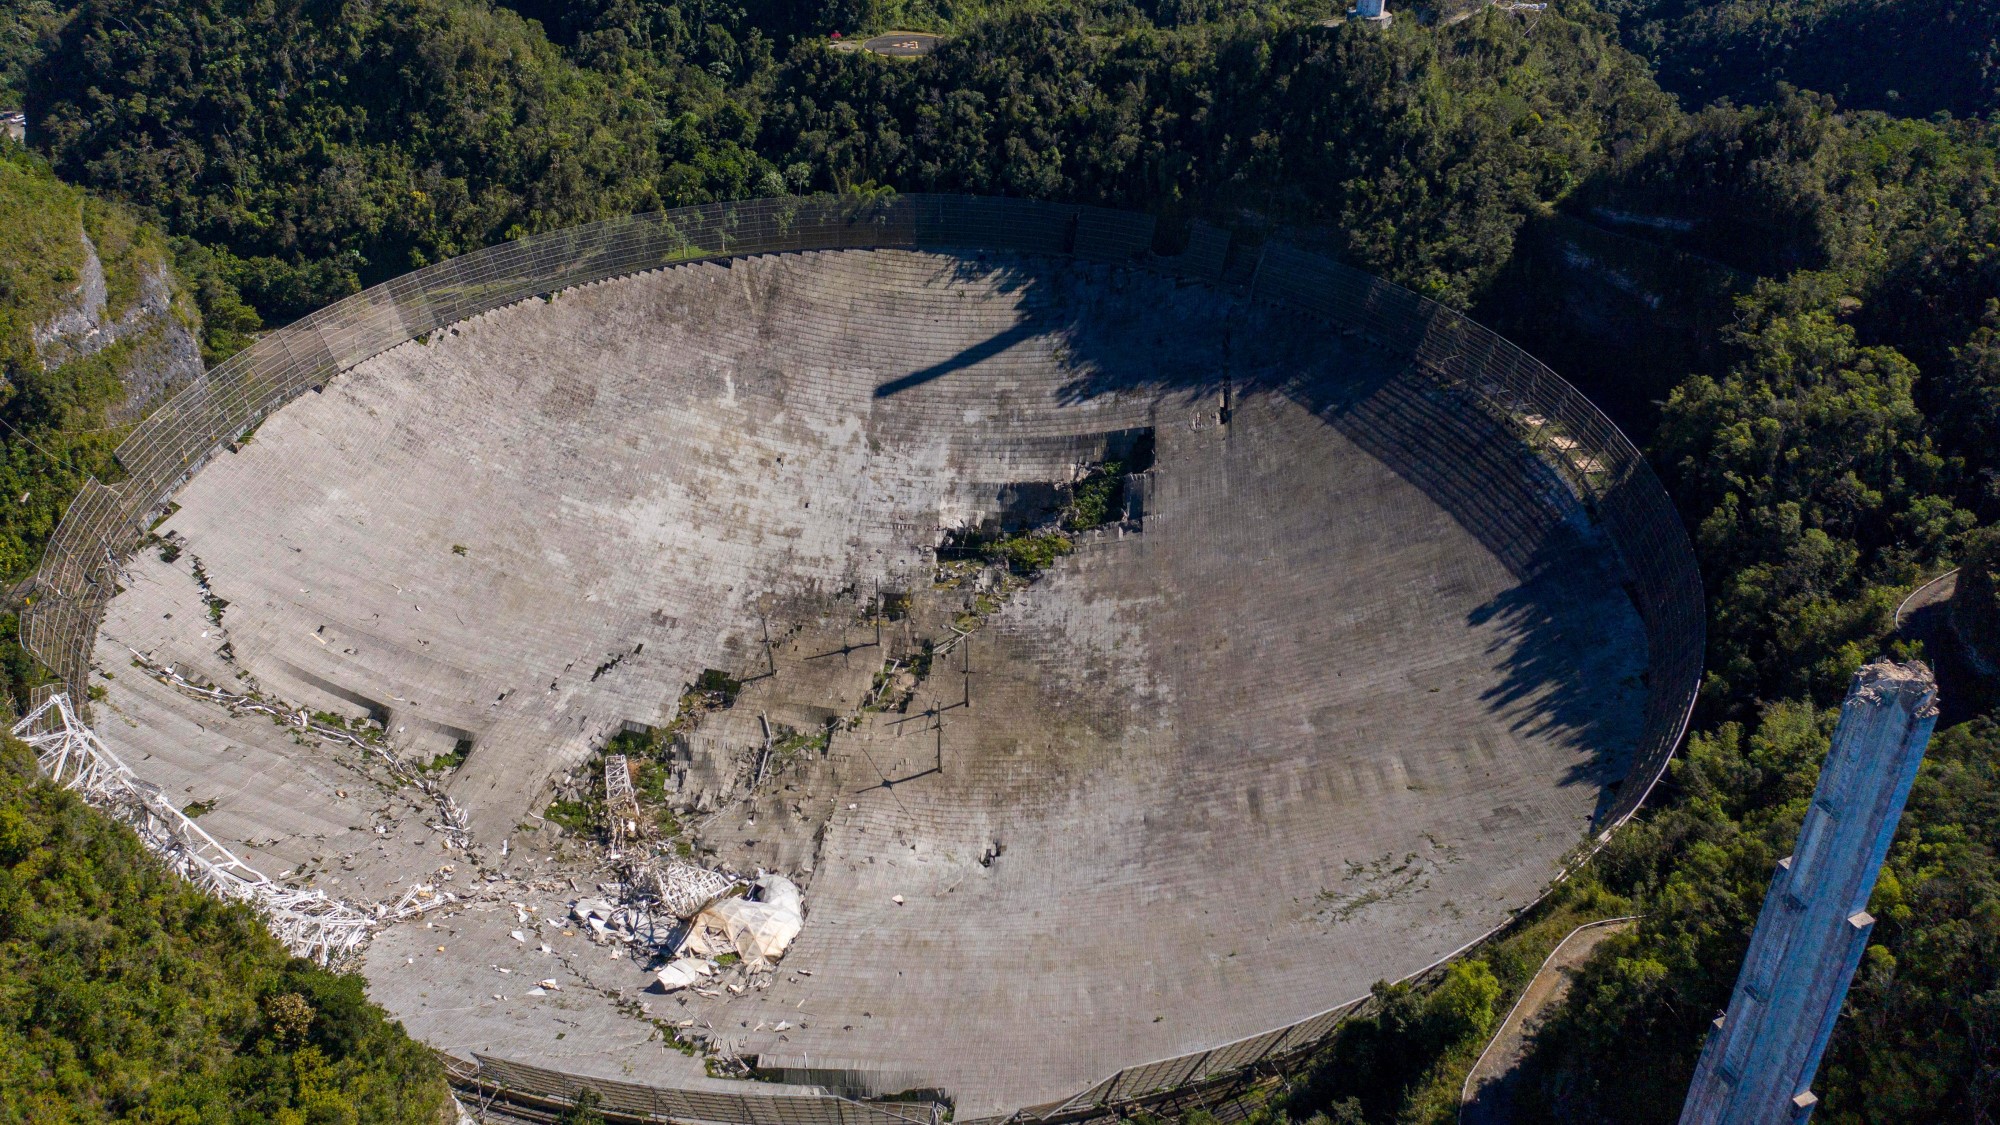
(308, 922)
(452, 817)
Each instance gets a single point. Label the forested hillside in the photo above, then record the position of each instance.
(320, 147)
(94, 328)
(1910, 57)
(1792, 300)
(126, 995)
(325, 147)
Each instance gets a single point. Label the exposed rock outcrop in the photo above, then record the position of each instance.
(164, 354)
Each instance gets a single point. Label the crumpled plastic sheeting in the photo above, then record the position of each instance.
(759, 930)
(682, 973)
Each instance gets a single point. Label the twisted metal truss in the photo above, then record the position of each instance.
(620, 802)
(682, 889)
(70, 753)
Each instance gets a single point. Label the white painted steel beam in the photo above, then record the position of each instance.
(308, 922)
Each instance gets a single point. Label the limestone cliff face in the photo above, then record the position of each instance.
(162, 353)
(96, 330)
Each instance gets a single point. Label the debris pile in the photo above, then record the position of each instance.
(627, 923)
(415, 901)
(759, 930)
(690, 916)
(451, 818)
(682, 889)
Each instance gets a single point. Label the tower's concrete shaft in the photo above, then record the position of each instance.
(1758, 1064)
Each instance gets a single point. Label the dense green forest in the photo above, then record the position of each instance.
(126, 995)
(1910, 57)
(1765, 233)
(49, 412)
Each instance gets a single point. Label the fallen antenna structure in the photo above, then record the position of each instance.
(682, 889)
(308, 922)
(621, 804)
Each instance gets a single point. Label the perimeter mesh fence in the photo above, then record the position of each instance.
(1469, 365)
(1481, 370)
(634, 1100)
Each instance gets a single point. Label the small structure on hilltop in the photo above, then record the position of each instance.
(1758, 1064)
(1372, 11)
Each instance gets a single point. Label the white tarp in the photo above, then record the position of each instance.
(682, 973)
(759, 930)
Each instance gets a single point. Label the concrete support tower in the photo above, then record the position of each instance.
(1370, 10)
(1758, 1064)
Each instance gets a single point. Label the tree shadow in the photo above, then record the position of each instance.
(1572, 650)
(1566, 637)
(1570, 644)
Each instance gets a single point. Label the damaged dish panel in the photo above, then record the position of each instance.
(1328, 691)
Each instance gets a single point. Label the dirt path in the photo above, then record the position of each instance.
(1488, 1097)
(1968, 683)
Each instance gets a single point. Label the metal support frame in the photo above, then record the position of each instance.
(308, 922)
(621, 804)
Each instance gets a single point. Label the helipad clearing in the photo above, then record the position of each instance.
(902, 44)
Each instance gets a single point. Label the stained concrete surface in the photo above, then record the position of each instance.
(1337, 703)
